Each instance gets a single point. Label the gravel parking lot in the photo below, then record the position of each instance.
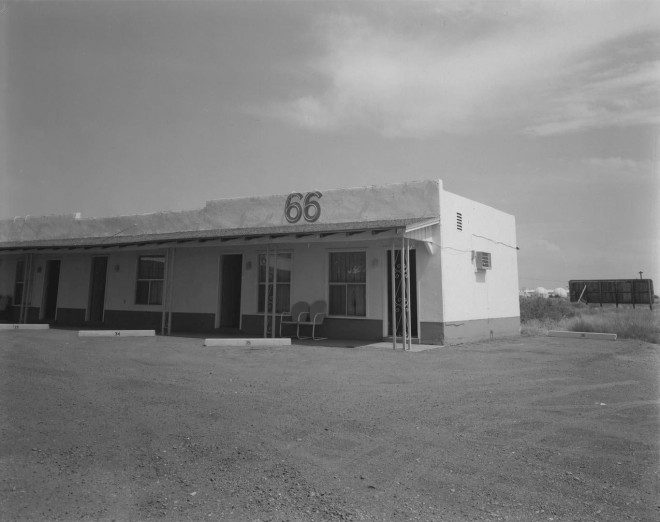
(163, 428)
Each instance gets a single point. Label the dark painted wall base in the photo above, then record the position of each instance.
(131, 319)
(254, 325)
(70, 317)
(189, 322)
(432, 333)
(361, 329)
(181, 322)
(13, 314)
(481, 330)
(332, 328)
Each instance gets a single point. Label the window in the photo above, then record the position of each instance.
(278, 282)
(151, 273)
(19, 282)
(348, 283)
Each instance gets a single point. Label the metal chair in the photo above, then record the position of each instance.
(299, 312)
(317, 313)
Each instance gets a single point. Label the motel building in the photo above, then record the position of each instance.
(366, 263)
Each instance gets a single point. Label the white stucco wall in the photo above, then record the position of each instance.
(73, 290)
(449, 288)
(195, 283)
(121, 281)
(396, 201)
(311, 267)
(469, 294)
(429, 281)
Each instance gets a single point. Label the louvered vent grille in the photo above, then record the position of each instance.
(459, 221)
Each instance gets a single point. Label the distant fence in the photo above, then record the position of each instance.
(616, 291)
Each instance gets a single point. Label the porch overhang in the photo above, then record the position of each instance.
(412, 228)
(422, 231)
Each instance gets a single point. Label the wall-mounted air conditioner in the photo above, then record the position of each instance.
(482, 261)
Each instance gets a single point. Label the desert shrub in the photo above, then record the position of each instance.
(544, 309)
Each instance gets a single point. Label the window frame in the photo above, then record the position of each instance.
(261, 305)
(346, 284)
(149, 280)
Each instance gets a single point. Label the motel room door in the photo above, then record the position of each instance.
(51, 287)
(97, 289)
(231, 276)
(398, 292)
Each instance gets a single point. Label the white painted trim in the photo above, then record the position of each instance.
(424, 224)
(268, 341)
(34, 326)
(116, 333)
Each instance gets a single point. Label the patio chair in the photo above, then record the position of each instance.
(299, 312)
(317, 314)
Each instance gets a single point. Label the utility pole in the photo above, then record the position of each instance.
(640, 274)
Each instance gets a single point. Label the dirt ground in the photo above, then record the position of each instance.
(163, 428)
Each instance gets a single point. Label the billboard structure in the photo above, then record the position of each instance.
(612, 291)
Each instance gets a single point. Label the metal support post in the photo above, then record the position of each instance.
(404, 301)
(408, 293)
(393, 300)
(274, 307)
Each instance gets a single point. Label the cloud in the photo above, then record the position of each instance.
(534, 69)
(616, 163)
(545, 245)
(626, 98)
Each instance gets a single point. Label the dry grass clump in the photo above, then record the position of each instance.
(643, 325)
(538, 315)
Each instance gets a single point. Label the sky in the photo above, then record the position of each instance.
(547, 110)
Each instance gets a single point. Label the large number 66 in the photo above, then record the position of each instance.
(310, 210)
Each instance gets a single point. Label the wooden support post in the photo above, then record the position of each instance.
(266, 292)
(170, 294)
(583, 291)
(166, 282)
(27, 290)
(23, 290)
(274, 307)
